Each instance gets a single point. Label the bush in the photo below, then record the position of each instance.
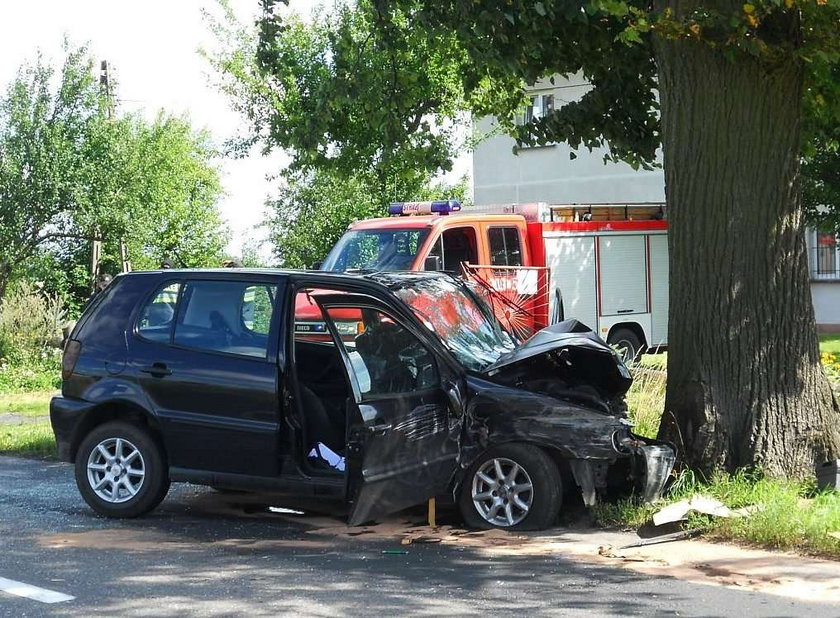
(30, 325)
(30, 336)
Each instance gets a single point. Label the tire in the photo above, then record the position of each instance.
(140, 452)
(630, 347)
(535, 467)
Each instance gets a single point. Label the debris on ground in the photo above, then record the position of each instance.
(700, 504)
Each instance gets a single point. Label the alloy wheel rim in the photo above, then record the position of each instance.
(116, 470)
(502, 492)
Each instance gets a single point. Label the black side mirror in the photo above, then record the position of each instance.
(432, 263)
(316, 265)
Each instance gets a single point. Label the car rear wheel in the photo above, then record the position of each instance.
(120, 470)
(511, 486)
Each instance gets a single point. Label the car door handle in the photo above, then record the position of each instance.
(379, 428)
(157, 370)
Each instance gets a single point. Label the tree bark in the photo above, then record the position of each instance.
(745, 385)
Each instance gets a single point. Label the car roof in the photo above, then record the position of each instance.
(388, 279)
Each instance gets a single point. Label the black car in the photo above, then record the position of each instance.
(402, 387)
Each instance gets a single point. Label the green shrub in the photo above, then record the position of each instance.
(30, 324)
(37, 375)
(30, 333)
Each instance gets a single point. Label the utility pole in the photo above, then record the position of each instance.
(105, 88)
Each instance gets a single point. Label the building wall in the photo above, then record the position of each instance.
(549, 174)
(826, 297)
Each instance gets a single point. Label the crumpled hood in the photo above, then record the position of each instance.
(570, 351)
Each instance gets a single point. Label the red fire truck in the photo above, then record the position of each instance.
(604, 264)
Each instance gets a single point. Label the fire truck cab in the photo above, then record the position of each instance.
(605, 265)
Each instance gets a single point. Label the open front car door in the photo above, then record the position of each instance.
(404, 427)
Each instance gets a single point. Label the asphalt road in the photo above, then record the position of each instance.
(204, 554)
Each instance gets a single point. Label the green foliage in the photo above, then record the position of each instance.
(70, 172)
(30, 325)
(30, 333)
(786, 515)
(821, 186)
(646, 399)
(349, 95)
(36, 375)
(611, 44)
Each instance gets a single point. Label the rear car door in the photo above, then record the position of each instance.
(205, 352)
(403, 431)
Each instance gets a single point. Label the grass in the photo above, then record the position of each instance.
(646, 399)
(27, 438)
(34, 439)
(790, 515)
(787, 515)
(27, 404)
(830, 344)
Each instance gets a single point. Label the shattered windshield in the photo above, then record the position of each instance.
(464, 326)
(376, 250)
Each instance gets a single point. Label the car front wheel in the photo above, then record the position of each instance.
(511, 486)
(120, 470)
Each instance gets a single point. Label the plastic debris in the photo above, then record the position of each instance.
(397, 552)
(700, 504)
(324, 453)
(284, 511)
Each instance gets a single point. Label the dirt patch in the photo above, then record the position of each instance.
(12, 418)
(777, 573)
(143, 541)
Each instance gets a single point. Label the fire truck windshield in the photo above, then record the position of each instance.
(376, 250)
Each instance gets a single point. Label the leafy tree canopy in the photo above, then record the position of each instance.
(71, 172)
(347, 94)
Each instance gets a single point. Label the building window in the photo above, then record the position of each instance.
(540, 106)
(826, 256)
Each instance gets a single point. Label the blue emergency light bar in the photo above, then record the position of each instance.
(442, 207)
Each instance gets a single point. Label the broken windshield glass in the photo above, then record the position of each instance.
(464, 326)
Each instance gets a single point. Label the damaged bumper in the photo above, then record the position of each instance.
(650, 466)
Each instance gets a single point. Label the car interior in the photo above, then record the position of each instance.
(384, 361)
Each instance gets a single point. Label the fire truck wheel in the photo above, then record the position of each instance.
(630, 347)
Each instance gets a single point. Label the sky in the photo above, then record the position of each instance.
(152, 47)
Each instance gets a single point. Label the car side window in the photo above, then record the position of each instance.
(504, 246)
(226, 316)
(385, 357)
(257, 307)
(157, 315)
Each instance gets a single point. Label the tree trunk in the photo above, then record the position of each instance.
(745, 386)
(5, 276)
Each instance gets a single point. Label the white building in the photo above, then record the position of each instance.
(549, 174)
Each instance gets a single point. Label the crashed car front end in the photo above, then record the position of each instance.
(601, 450)
(582, 383)
(563, 390)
